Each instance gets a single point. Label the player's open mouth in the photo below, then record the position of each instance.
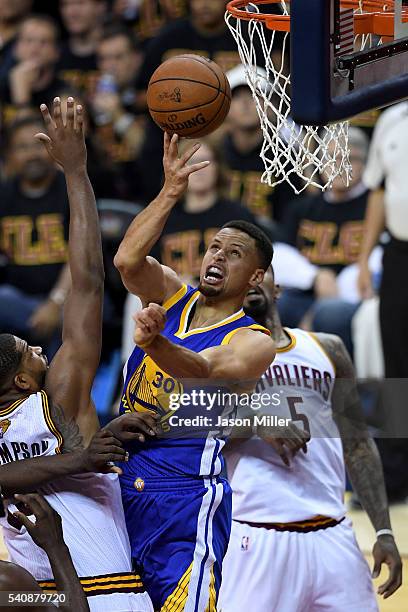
(214, 275)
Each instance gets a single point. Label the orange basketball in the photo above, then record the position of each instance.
(188, 95)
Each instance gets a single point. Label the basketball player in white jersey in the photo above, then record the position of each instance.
(46, 410)
(291, 547)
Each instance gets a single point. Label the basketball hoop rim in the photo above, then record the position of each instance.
(378, 18)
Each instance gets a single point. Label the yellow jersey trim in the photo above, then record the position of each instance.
(291, 345)
(115, 587)
(320, 345)
(175, 298)
(256, 327)
(6, 411)
(185, 313)
(175, 602)
(181, 333)
(51, 426)
(100, 585)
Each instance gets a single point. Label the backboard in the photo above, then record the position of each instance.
(347, 57)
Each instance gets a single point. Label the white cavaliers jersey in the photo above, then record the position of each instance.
(300, 382)
(90, 507)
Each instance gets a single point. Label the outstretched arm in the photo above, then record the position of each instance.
(104, 449)
(29, 474)
(362, 460)
(71, 373)
(141, 274)
(227, 362)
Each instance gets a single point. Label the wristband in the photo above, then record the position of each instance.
(384, 532)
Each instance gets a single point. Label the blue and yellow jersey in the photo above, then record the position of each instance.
(148, 388)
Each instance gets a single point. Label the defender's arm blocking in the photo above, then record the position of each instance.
(244, 359)
(72, 371)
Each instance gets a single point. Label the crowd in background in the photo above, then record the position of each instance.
(104, 54)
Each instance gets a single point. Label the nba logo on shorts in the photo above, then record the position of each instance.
(139, 484)
(245, 543)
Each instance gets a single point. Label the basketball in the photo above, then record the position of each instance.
(188, 95)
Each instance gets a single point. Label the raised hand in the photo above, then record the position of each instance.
(150, 321)
(176, 169)
(64, 141)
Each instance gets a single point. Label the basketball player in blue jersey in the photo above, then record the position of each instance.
(178, 509)
(289, 520)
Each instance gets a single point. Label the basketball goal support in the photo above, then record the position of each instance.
(311, 65)
(328, 87)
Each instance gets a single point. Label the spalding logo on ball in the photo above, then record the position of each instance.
(189, 95)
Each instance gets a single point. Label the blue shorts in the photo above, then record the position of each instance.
(179, 532)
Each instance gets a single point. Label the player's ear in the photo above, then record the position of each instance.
(257, 277)
(22, 381)
(277, 293)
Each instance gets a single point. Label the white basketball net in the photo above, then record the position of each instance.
(315, 154)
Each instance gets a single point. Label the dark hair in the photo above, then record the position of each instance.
(263, 244)
(10, 358)
(113, 30)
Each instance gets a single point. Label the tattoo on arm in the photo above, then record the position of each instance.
(335, 349)
(345, 398)
(361, 455)
(68, 429)
(364, 468)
